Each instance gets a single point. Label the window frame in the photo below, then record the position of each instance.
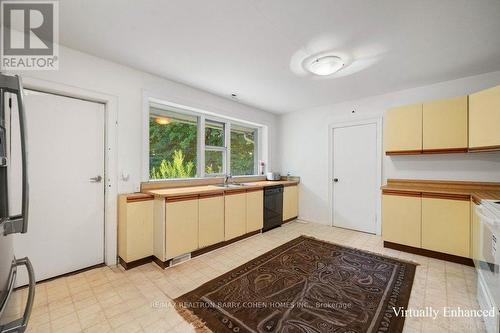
(223, 149)
(202, 118)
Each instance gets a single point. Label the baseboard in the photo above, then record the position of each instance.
(135, 263)
(430, 253)
(290, 220)
(222, 244)
(65, 275)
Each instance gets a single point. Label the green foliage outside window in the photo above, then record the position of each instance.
(242, 152)
(172, 149)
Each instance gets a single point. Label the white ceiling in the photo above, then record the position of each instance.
(255, 47)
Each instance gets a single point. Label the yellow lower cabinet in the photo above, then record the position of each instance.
(234, 215)
(401, 219)
(211, 220)
(446, 226)
(255, 210)
(135, 229)
(181, 227)
(290, 202)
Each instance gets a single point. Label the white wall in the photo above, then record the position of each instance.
(303, 148)
(83, 71)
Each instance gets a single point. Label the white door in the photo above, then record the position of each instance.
(66, 213)
(355, 177)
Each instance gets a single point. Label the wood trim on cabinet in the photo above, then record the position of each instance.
(445, 151)
(444, 184)
(403, 152)
(182, 198)
(485, 149)
(475, 200)
(146, 197)
(449, 196)
(286, 185)
(215, 246)
(211, 195)
(255, 189)
(402, 193)
(429, 253)
(236, 191)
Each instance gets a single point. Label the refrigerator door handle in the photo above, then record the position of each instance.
(19, 223)
(20, 325)
(24, 153)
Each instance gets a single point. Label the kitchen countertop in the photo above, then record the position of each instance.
(476, 190)
(212, 189)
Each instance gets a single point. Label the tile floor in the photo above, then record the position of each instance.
(110, 299)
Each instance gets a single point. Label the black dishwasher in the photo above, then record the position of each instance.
(273, 207)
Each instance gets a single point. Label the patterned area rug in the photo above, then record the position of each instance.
(305, 285)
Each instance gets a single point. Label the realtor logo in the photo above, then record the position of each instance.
(30, 32)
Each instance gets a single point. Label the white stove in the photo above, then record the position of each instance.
(487, 261)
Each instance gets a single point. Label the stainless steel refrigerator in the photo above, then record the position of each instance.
(12, 223)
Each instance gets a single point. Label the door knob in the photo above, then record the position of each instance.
(96, 179)
(335, 180)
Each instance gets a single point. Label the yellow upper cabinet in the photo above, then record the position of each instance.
(484, 119)
(403, 129)
(445, 125)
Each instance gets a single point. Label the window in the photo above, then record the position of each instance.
(243, 151)
(185, 144)
(215, 148)
(172, 145)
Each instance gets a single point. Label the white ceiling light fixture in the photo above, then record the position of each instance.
(325, 65)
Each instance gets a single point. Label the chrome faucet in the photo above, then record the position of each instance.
(227, 177)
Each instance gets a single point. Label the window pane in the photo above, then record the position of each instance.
(214, 161)
(172, 144)
(214, 134)
(243, 144)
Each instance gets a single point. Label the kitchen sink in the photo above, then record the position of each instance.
(231, 185)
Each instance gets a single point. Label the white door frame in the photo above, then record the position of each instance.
(360, 121)
(110, 154)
